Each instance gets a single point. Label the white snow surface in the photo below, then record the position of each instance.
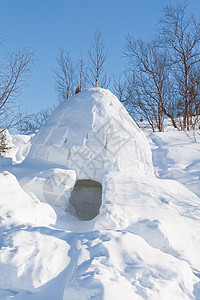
(92, 134)
(18, 208)
(144, 242)
(19, 146)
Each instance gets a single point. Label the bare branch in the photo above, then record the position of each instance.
(64, 75)
(13, 74)
(97, 58)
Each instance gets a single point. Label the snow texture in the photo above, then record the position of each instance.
(143, 243)
(92, 134)
(19, 146)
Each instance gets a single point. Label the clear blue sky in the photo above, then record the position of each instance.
(47, 25)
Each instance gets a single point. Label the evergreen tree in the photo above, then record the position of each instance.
(3, 144)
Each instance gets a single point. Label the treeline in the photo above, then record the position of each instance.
(72, 76)
(162, 79)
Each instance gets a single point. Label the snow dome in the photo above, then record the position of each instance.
(93, 134)
(84, 140)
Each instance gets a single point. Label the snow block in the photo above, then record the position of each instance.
(93, 134)
(52, 186)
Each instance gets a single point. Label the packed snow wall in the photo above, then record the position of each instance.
(93, 134)
(85, 139)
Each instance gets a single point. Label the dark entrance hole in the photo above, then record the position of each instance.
(86, 199)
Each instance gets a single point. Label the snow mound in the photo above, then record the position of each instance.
(92, 134)
(120, 265)
(176, 156)
(53, 186)
(17, 208)
(31, 259)
(19, 146)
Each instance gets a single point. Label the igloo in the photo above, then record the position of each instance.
(92, 134)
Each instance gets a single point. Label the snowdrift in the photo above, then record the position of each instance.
(83, 230)
(19, 146)
(18, 208)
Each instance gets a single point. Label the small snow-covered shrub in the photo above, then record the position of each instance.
(4, 147)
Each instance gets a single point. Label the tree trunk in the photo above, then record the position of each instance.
(186, 118)
(160, 119)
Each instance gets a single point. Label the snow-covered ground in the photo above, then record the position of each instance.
(143, 244)
(176, 156)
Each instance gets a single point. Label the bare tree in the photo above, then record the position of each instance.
(13, 78)
(97, 58)
(120, 87)
(34, 121)
(150, 68)
(80, 74)
(181, 35)
(64, 75)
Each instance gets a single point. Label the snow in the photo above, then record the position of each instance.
(52, 185)
(180, 157)
(28, 265)
(18, 208)
(19, 146)
(93, 127)
(120, 264)
(143, 243)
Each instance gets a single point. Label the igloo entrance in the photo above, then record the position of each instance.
(86, 199)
